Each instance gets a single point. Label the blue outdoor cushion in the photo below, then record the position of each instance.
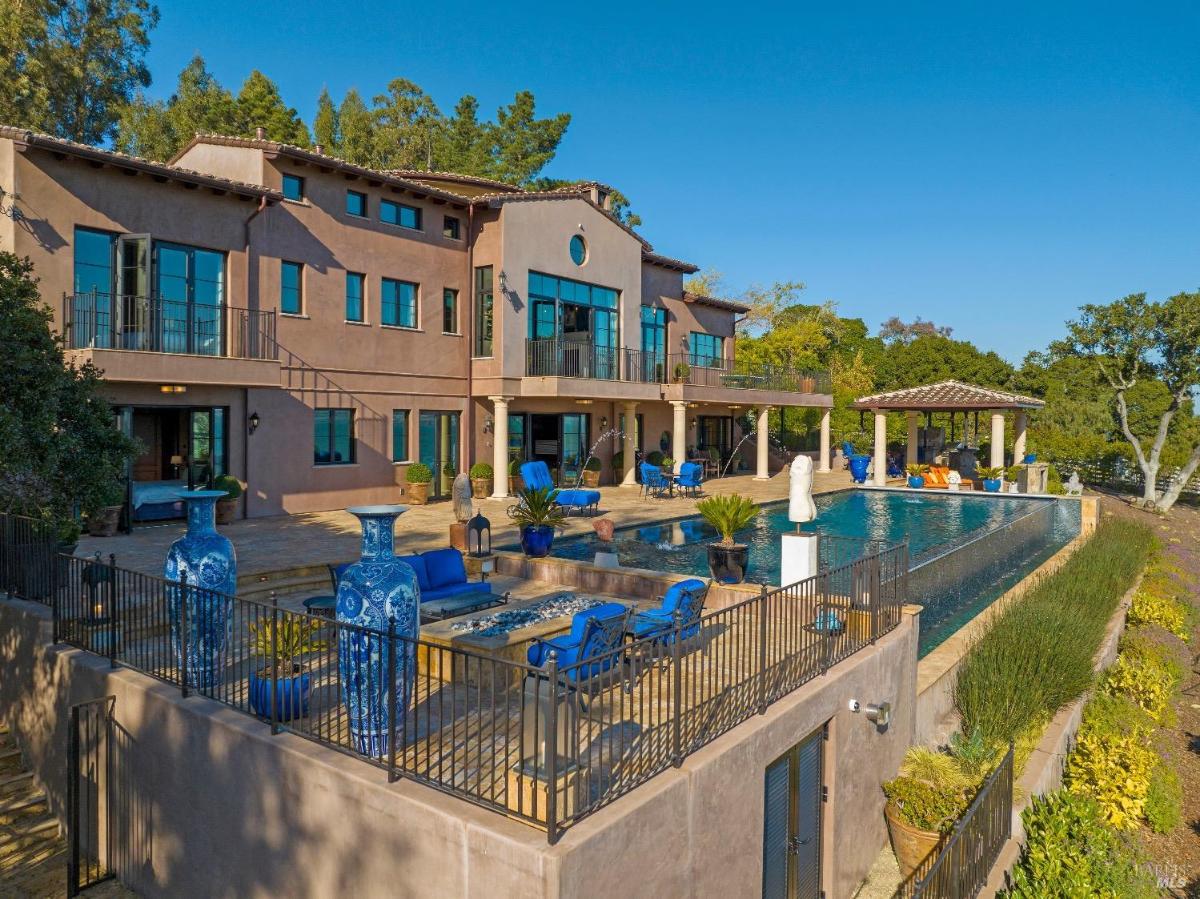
(577, 497)
(453, 590)
(418, 565)
(444, 567)
(536, 476)
(674, 595)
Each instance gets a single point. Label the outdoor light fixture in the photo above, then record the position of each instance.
(603, 422)
(173, 388)
(253, 421)
(879, 713)
(479, 536)
(583, 402)
(488, 424)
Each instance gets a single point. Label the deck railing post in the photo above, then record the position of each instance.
(550, 768)
(393, 700)
(762, 650)
(73, 803)
(274, 663)
(113, 623)
(183, 635)
(677, 690)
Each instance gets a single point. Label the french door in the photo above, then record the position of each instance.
(438, 448)
(794, 793)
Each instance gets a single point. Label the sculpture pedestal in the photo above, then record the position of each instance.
(458, 536)
(479, 566)
(799, 558)
(528, 789)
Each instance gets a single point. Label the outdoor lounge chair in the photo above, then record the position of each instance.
(595, 634)
(536, 476)
(690, 477)
(658, 625)
(937, 477)
(654, 482)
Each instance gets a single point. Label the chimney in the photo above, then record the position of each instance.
(319, 149)
(260, 133)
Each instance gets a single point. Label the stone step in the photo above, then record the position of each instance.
(307, 584)
(12, 784)
(30, 833)
(23, 807)
(319, 570)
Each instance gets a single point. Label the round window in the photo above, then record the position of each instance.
(578, 250)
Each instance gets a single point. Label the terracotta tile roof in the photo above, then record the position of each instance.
(714, 302)
(26, 138)
(474, 180)
(667, 262)
(948, 396)
(580, 191)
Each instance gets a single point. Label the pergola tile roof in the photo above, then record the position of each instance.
(947, 396)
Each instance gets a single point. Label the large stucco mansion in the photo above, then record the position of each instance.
(314, 327)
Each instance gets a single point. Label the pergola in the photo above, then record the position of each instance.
(952, 397)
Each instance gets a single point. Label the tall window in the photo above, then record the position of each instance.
(399, 303)
(399, 435)
(291, 287)
(92, 320)
(191, 284)
(483, 311)
(707, 350)
(450, 227)
(449, 311)
(333, 436)
(356, 203)
(293, 187)
(354, 296)
(399, 214)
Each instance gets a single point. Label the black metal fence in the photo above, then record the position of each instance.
(960, 868)
(89, 793)
(1117, 473)
(707, 371)
(546, 745)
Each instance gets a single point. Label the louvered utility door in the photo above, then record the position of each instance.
(792, 822)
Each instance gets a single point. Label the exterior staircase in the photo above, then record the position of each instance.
(309, 580)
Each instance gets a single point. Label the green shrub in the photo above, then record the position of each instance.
(1164, 799)
(231, 485)
(1161, 609)
(1037, 655)
(924, 805)
(481, 471)
(418, 473)
(1054, 484)
(1070, 853)
(514, 467)
(1114, 770)
(592, 464)
(654, 457)
(1012, 473)
(1145, 674)
(618, 461)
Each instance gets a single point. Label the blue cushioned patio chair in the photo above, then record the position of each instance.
(596, 633)
(690, 478)
(654, 482)
(536, 476)
(684, 599)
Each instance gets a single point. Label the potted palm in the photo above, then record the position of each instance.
(991, 476)
(417, 480)
(537, 515)
(481, 480)
(1010, 475)
(227, 507)
(728, 559)
(282, 650)
(915, 470)
(103, 519)
(591, 472)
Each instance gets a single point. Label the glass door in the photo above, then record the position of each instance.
(574, 447)
(133, 292)
(190, 295)
(208, 456)
(438, 448)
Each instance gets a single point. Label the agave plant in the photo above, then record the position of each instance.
(536, 508)
(296, 637)
(915, 469)
(990, 473)
(728, 514)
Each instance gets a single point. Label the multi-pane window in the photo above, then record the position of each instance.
(356, 203)
(451, 227)
(449, 311)
(706, 349)
(355, 288)
(399, 435)
(291, 287)
(399, 303)
(400, 214)
(483, 311)
(333, 436)
(293, 187)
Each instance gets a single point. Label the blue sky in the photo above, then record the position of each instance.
(987, 166)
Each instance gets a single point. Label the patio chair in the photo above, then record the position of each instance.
(326, 604)
(712, 468)
(595, 634)
(654, 482)
(536, 476)
(690, 477)
(658, 625)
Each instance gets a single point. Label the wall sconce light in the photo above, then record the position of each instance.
(489, 424)
(692, 424)
(253, 421)
(173, 388)
(583, 402)
(603, 422)
(879, 713)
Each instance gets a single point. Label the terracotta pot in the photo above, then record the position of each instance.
(481, 488)
(911, 844)
(104, 523)
(226, 511)
(591, 478)
(416, 494)
(515, 484)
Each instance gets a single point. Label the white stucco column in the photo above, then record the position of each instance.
(880, 477)
(997, 457)
(500, 446)
(629, 445)
(761, 441)
(679, 433)
(1020, 424)
(823, 459)
(910, 453)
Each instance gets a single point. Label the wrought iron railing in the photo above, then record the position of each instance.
(1118, 473)
(710, 371)
(157, 325)
(90, 794)
(571, 359)
(504, 735)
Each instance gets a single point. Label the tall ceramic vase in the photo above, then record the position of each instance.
(372, 593)
(205, 561)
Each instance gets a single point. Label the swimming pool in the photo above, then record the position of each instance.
(965, 549)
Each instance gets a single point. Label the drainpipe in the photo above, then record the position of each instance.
(469, 429)
(250, 264)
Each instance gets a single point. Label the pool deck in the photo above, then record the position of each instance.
(291, 542)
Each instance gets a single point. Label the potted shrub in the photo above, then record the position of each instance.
(418, 478)
(102, 521)
(1011, 474)
(728, 559)
(481, 480)
(654, 457)
(296, 637)
(537, 516)
(915, 470)
(991, 478)
(682, 372)
(515, 484)
(618, 466)
(591, 472)
(924, 803)
(227, 508)
(668, 465)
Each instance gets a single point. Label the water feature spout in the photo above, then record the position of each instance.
(607, 435)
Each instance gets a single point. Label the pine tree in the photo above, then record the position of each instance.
(524, 144)
(356, 128)
(158, 130)
(466, 144)
(407, 126)
(325, 125)
(259, 105)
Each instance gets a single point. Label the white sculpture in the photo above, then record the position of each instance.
(1074, 486)
(461, 493)
(800, 501)
(954, 479)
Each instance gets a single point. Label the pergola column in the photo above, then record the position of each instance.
(679, 433)
(500, 446)
(629, 445)
(910, 453)
(1020, 423)
(997, 458)
(880, 478)
(761, 441)
(823, 459)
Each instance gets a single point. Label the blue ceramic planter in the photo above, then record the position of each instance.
(291, 695)
(536, 540)
(1030, 458)
(858, 468)
(373, 592)
(916, 482)
(992, 485)
(205, 560)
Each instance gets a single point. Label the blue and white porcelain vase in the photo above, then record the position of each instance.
(205, 560)
(373, 592)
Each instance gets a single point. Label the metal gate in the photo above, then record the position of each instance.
(794, 793)
(89, 793)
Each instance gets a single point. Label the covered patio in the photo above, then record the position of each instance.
(952, 398)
